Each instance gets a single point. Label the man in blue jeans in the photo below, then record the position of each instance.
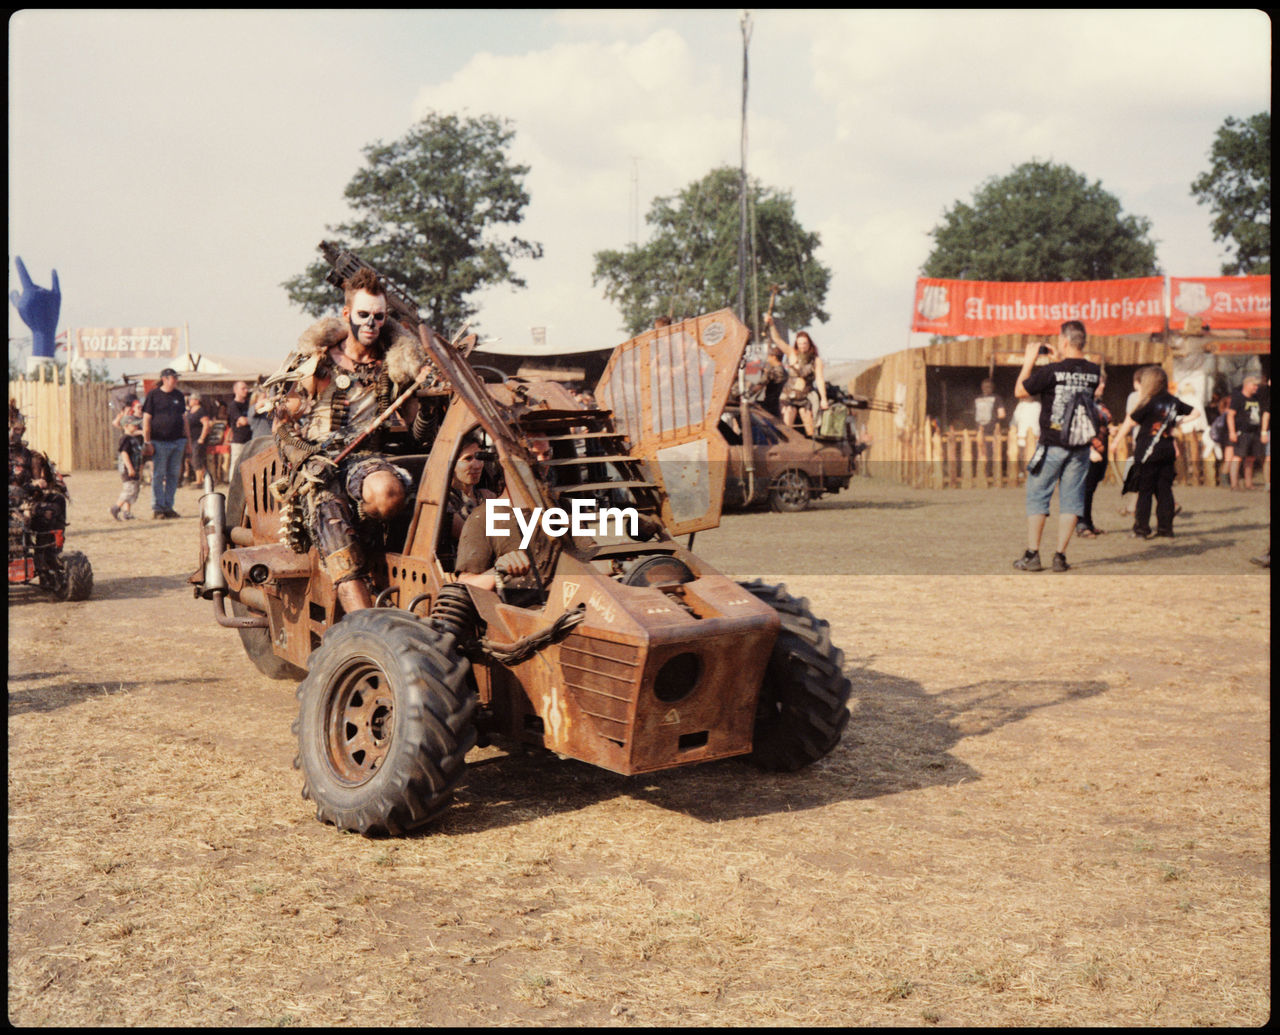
(164, 429)
(1068, 388)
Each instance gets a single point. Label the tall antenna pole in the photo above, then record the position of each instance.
(745, 22)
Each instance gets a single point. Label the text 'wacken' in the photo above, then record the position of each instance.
(584, 518)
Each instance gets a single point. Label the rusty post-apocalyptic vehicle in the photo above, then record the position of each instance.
(636, 655)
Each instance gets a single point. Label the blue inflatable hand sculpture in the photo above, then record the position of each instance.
(38, 308)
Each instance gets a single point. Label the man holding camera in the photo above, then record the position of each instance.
(1068, 388)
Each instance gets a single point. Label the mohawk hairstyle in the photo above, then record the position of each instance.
(362, 280)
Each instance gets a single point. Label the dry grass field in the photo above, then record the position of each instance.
(1051, 807)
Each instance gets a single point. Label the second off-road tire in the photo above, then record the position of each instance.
(804, 696)
(386, 717)
(256, 642)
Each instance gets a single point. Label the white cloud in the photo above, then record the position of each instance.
(180, 164)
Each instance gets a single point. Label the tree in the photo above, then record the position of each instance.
(427, 206)
(1237, 188)
(690, 263)
(1042, 222)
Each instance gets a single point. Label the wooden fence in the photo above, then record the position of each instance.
(975, 460)
(69, 422)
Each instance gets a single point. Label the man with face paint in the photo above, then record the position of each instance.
(346, 371)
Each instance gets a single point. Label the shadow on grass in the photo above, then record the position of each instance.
(898, 739)
(128, 587)
(51, 698)
(1184, 544)
(136, 587)
(62, 695)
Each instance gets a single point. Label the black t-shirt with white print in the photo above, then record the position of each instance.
(1066, 390)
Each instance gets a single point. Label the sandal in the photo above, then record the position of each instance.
(1088, 533)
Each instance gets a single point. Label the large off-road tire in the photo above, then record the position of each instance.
(385, 720)
(790, 492)
(70, 577)
(804, 696)
(257, 642)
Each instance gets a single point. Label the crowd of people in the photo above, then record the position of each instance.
(172, 438)
(1077, 436)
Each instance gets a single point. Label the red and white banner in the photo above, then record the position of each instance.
(118, 342)
(977, 308)
(1221, 303)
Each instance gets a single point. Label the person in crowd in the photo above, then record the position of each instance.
(129, 452)
(1244, 430)
(1068, 387)
(130, 413)
(1218, 440)
(805, 378)
(238, 416)
(1127, 504)
(1099, 451)
(199, 424)
(1155, 414)
(260, 413)
(988, 417)
(774, 379)
(164, 436)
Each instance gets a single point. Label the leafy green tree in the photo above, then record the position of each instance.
(690, 263)
(1237, 188)
(1041, 222)
(428, 208)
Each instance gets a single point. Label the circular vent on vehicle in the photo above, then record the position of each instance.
(677, 677)
(659, 570)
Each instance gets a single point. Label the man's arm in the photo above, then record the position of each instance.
(1028, 364)
(774, 336)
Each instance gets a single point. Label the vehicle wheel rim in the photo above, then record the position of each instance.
(791, 489)
(359, 723)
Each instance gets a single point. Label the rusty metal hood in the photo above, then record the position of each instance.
(667, 389)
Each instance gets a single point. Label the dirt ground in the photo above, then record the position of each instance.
(1051, 807)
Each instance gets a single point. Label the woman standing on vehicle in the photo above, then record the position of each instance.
(805, 377)
(1154, 414)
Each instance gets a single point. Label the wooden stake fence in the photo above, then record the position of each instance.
(69, 422)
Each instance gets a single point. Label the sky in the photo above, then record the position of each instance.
(175, 167)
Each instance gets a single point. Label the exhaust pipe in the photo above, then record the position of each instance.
(213, 518)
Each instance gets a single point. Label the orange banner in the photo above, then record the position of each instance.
(1221, 303)
(977, 308)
